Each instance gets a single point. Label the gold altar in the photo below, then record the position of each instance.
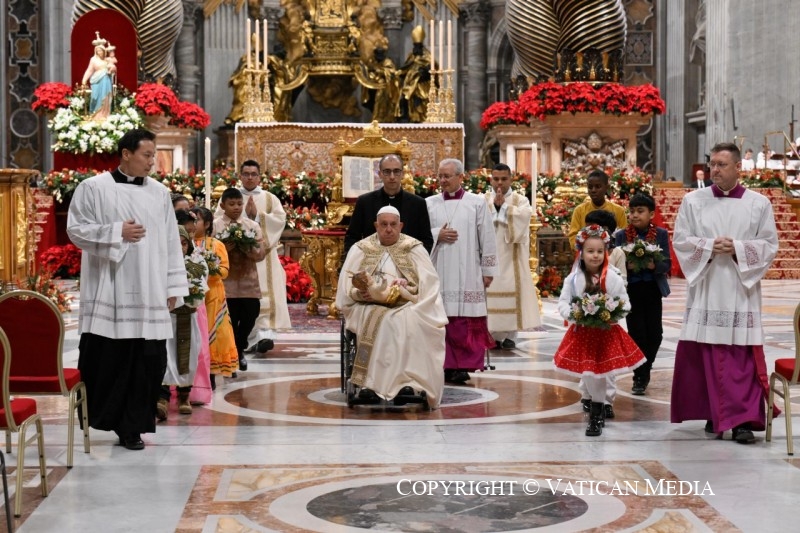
(297, 147)
(17, 242)
(321, 262)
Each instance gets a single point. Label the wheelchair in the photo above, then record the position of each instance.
(356, 395)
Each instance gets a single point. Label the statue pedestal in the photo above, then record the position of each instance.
(559, 135)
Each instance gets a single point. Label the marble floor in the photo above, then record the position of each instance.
(278, 450)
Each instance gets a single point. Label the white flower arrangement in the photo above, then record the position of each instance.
(75, 132)
(197, 275)
(598, 310)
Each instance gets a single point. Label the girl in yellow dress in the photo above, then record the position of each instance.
(224, 357)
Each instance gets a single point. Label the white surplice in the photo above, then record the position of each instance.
(512, 301)
(397, 346)
(125, 285)
(274, 312)
(723, 304)
(462, 264)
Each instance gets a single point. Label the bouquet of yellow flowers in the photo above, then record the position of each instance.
(639, 253)
(598, 310)
(243, 239)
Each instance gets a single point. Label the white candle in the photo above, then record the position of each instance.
(433, 45)
(247, 43)
(534, 171)
(511, 156)
(266, 43)
(449, 45)
(208, 172)
(255, 60)
(441, 44)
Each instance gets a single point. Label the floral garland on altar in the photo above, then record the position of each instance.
(76, 133)
(550, 98)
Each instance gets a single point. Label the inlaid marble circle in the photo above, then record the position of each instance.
(379, 504)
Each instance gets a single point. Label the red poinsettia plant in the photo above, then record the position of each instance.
(62, 261)
(189, 115)
(503, 113)
(550, 98)
(50, 96)
(155, 99)
(298, 283)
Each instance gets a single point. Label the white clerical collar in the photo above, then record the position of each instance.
(128, 177)
(255, 192)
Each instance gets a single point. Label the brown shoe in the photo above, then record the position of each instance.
(184, 407)
(161, 409)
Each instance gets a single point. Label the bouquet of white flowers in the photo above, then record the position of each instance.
(598, 310)
(243, 239)
(639, 253)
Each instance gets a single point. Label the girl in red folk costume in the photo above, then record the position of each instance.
(593, 300)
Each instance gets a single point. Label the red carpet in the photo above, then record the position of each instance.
(305, 323)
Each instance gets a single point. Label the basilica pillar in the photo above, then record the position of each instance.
(717, 59)
(392, 15)
(475, 16)
(676, 162)
(187, 65)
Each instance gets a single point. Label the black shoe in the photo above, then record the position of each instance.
(243, 364)
(133, 442)
(368, 397)
(264, 346)
(709, 427)
(609, 411)
(587, 404)
(743, 435)
(498, 345)
(639, 387)
(596, 422)
(508, 344)
(402, 396)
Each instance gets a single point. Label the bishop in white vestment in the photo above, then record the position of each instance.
(512, 300)
(402, 345)
(725, 240)
(465, 256)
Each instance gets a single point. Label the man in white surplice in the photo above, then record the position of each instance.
(398, 346)
(725, 239)
(512, 301)
(132, 273)
(465, 256)
(265, 209)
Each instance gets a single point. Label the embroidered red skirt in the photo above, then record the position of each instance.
(597, 351)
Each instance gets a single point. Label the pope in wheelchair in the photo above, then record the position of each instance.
(389, 295)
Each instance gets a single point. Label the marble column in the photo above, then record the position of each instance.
(717, 59)
(187, 66)
(392, 16)
(475, 16)
(675, 86)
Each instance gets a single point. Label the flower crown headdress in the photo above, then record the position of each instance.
(592, 230)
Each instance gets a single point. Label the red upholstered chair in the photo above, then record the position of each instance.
(35, 329)
(16, 416)
(786, 372)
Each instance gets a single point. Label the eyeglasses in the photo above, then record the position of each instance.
(446, 176)
(390, 171)
(249, 174)
(720, 166)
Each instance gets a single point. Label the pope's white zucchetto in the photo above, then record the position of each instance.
(389, 209)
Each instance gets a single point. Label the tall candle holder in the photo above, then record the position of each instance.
(258, 98)
(433, 110)
(447, 102)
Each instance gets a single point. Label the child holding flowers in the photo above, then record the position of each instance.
(646, 247)
(245, 245)
(593, 300)
(224, 358)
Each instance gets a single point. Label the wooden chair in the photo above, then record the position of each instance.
(787, 372)
(16, 416)
(35, 329)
